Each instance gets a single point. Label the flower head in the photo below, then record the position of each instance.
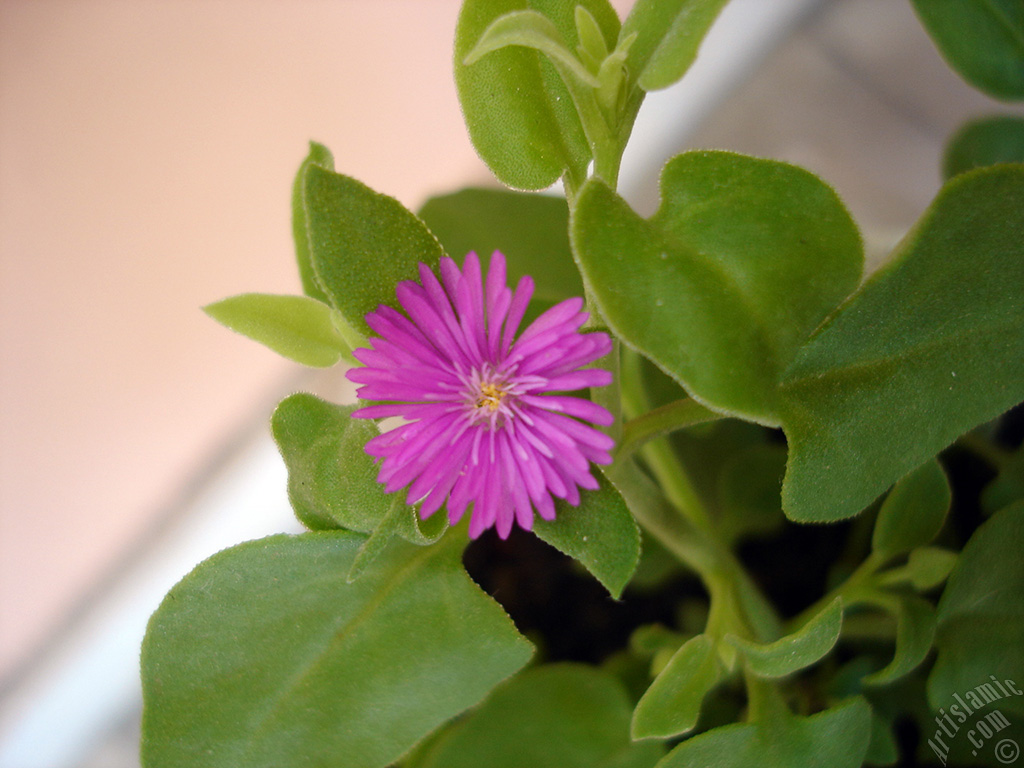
(483, 421)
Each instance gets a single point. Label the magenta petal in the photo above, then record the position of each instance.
(485, 428)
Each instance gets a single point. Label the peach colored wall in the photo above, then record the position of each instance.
(146, 156)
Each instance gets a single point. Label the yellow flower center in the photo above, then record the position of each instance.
(490, 397)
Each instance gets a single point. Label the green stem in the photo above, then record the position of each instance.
(847, 590)
(678, 414)
(764, 701)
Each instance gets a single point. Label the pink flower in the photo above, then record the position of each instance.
(484, 425)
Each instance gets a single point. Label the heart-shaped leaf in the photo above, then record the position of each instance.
(928, 348)
(266, 656)
(554, 716)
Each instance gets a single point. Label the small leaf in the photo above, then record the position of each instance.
(520, 116)
(321, 156)
(362, 244)
(794, 652)
(553, 716)
(531, 30)
(915, 632)
(913, 512)
(835, 738)
(400, 520)
(668, 35)
(928, 348)
(983, 41)
(926, 567)
(266, 656)
(532, 231)
(980, 633)
(742, 261)
(297, 327)
(332, 482)
(600, 533)
(671, 706)
(985, 142)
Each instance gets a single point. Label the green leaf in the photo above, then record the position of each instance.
(793, 652)
(835, 738)
(297, 327)
(671, 705)
(321, 156)
(531, 230)
(982, 40)
(913, 512)
(981, 616)
(668, 34)
(743, 260)
(985, 142)
(600, 533)
(554, 716)
(882, 749)
(264, 655)
(332, 482)
(928, 348)
(926, 567)
(530, 30)
(362, 244)
(520, 115)
(915, 632)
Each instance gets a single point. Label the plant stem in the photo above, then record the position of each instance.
(845, 590)
(678, 414)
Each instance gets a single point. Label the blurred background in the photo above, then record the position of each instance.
(147, 150)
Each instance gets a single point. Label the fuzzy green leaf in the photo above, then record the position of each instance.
(668, 35)
(672, 704)
(520, 115)
(321, 156)
(530, 29)
(600, 534)
(297, 327)
(981, 616)
(913, 512)
(928, 348)
(554, 716)
(793, 652)
(915, 632)
(985, 142)
(265, 656)
(982, 40)
(362, 244)
(742, 261)
(532, 231)
(332, 482)
(835, 738)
